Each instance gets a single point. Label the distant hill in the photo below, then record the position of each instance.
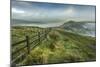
(84, 28)
(18, 22)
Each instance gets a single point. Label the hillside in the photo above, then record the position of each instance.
(61, 46)
(86, 28)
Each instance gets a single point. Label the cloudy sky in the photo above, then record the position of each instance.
(50, 14)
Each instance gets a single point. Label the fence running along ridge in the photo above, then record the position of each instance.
(26, 45)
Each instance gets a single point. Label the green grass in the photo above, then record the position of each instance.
(59, 46)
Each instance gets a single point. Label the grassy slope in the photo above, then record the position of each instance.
(18, 33)
(60, 46)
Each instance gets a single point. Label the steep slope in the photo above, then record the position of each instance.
(84, 28)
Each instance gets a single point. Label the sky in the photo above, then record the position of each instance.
(50, 14)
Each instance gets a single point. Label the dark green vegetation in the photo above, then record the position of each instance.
(59, 46)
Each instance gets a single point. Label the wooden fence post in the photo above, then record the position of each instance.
(45, 33)
(39, 37)
(27, 42)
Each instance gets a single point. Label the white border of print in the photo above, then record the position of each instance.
(5, 33)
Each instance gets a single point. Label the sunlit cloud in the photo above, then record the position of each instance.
(14, 10)
(70, 11)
